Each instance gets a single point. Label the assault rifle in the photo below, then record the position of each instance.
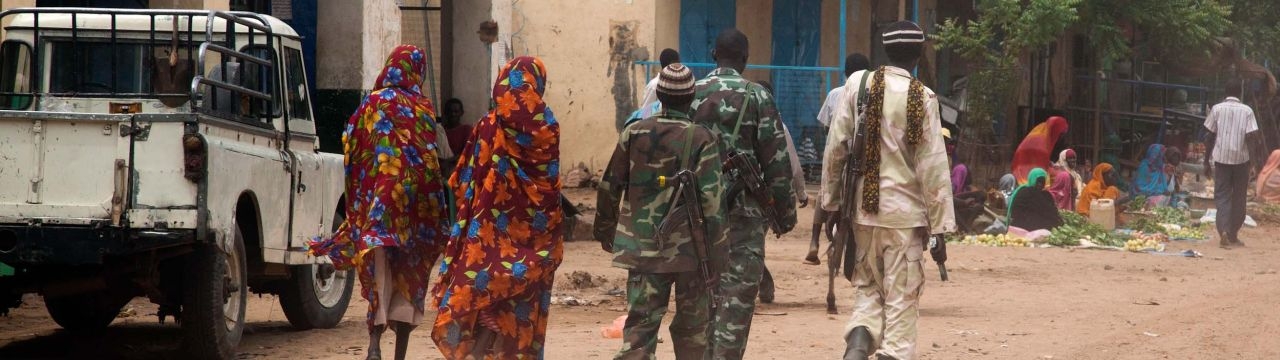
(747, 177)
(686, 208)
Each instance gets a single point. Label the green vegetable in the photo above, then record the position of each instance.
(1169, 215)
(1076, 227)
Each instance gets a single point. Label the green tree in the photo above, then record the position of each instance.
(1006, 30)
(1003, 32)
(1256, 25)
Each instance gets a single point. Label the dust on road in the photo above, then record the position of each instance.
(1001, 303)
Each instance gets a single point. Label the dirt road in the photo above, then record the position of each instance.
(1001, 303)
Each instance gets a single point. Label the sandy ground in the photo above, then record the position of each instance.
(1001, 303)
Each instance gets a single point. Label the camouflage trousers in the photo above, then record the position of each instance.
(739, 285)
(888, 281)
(647, 298)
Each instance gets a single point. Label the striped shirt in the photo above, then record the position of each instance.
(1230, 120)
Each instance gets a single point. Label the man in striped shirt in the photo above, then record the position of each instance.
(1232, 127)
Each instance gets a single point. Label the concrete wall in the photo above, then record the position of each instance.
(574, 42)
(351, 50)
(471, 74)
(381, 34)
(191, 4)
(337, 63)
(755, 19)
(857, 27)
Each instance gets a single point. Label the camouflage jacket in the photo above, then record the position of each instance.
(718, 100)
(647, 149)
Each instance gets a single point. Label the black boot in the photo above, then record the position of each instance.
(857, 344)
(884, 357)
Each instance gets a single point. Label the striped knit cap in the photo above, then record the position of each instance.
(675, 85)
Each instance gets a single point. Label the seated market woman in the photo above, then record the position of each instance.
(1032, 207)
(969, 203)
(1268, 188)
(1100, 187)
(1158, 175)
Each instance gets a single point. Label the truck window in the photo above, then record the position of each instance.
(15, 76)
(257, 77)
(85, 67)
(296, 91)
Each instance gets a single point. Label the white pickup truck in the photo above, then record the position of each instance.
(163, 153)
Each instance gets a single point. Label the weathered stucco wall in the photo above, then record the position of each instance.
(471, 75)
(353, 42)
(336, 45)
(574, 42)
(857, 35)
(755, 19)
(381, 34)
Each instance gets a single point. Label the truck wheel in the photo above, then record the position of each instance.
(87, 312)
(317, 295)
(214, 300)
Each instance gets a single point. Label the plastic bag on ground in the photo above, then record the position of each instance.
(614, 331)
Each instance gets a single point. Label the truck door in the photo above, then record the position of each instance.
(311, 216)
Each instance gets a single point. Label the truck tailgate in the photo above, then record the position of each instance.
(57, 165)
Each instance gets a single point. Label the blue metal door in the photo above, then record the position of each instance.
(797, 41)
(700, 22)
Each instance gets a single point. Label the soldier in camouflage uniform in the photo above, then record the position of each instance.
(647, 150)
(745, 118)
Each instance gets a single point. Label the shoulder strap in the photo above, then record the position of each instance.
(688, 146)
(746, 102)
(863, 95)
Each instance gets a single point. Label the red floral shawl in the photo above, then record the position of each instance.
(395, 195)
(506, 244)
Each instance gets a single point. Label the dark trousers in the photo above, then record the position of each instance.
(1231, 184)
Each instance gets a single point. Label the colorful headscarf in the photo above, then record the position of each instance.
(499, 266)
(394, 186)
(1098, 188)
(1035, 176)
(1035, 149)
(959, 179)
(1151, 178)
(1062, 189)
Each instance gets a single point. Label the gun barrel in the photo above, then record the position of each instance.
(942, 270)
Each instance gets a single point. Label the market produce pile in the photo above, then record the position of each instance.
(1146, 242)
(1076, 227)
(1146, 231)
(996, 240)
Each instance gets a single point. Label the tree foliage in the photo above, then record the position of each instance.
(1168, 26)
(1256, 25)
(1003, 32)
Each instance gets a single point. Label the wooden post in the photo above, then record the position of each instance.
(1097, 120)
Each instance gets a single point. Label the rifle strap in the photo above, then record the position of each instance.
(863, 97)
(746, 102)
(688, 146)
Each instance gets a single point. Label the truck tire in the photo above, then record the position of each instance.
(87, 312)
(214, 300)
(310, 301)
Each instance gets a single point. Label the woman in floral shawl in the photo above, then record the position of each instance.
(396, 212)
(494, 288)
